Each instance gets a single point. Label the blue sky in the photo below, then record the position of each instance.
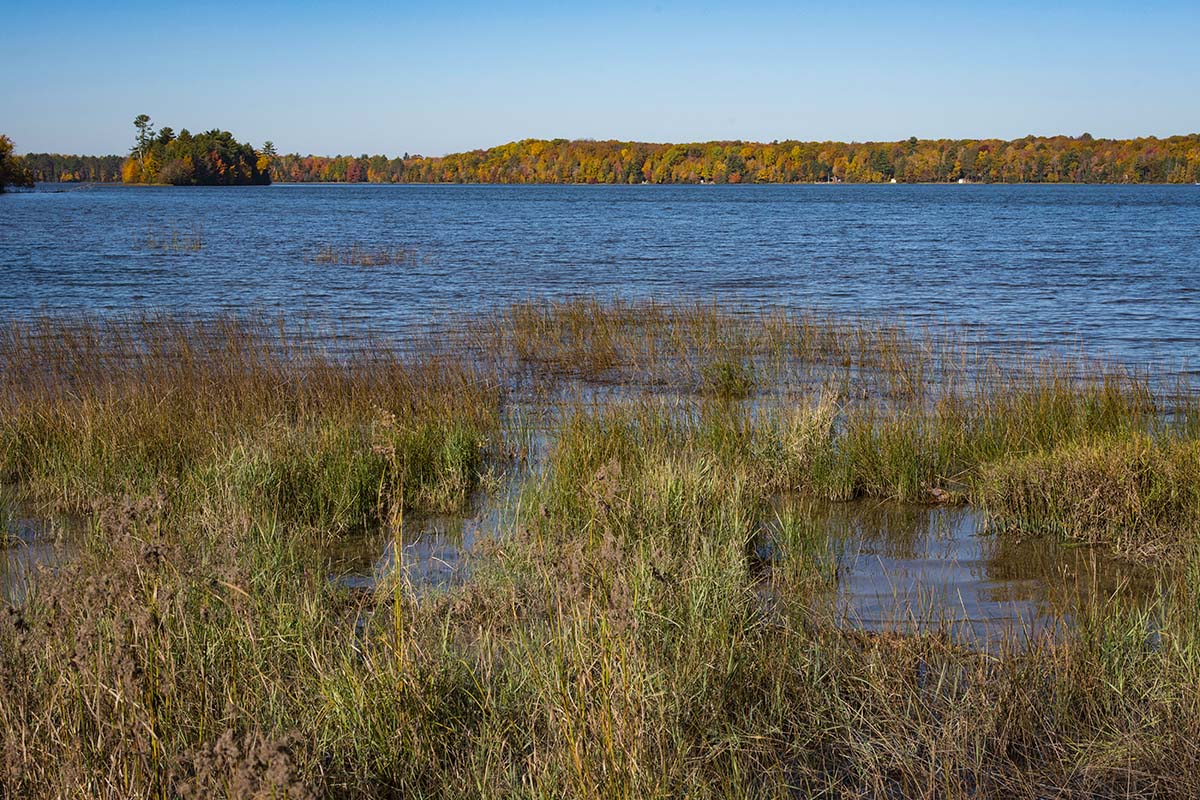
(367, 77)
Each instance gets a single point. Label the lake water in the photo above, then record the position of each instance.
(1114, 267)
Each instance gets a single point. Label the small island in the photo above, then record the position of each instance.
(213, 158)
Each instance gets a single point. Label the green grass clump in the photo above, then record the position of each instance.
(90, 410)
(1135, 494)
(343, 475)
(729, 380)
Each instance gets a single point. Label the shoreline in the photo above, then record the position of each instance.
(543, 185)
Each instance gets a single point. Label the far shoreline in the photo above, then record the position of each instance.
(120, 184)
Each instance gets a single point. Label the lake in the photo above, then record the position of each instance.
(1116, 268)
(1113, 268)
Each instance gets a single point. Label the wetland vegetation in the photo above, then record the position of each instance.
(173, 240)
(357, 255)
(655, 610)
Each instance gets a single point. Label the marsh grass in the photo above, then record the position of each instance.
(905, 413)
(951, 450)
(621, 636)
(356, 255)
(729, 380)
(99, 409)
(685, 346)
(1135, 493)
(173, 240)
(674, 657)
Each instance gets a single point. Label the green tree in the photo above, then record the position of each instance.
(145, 133)
(12, 168)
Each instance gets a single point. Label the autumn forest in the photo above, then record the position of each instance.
(215, 157)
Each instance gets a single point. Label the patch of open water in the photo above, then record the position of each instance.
(26, 544)
(906, 567)
(897, 568)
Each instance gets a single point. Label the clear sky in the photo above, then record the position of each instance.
(432, 78)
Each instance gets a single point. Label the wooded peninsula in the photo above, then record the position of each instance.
(1056, 159)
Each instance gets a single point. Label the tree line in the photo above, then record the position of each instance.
(212, 158)
(59, 168)
(1056, 159)
(216, 157)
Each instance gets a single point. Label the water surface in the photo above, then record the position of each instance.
(1116, 267)
(904, 567)
(26, 544)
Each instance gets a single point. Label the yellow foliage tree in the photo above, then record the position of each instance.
(131, 171)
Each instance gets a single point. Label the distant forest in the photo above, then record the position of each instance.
(53, 168)
(1056, 159)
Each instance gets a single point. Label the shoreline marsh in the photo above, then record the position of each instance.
(618, 636)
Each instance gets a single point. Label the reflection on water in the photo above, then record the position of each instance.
(433, 551)
(896, 567)
(900, 567)
(26, 543)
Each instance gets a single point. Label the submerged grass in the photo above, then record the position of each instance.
(174, 240)
(702, 345)
(357, 255)
(620, 637)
